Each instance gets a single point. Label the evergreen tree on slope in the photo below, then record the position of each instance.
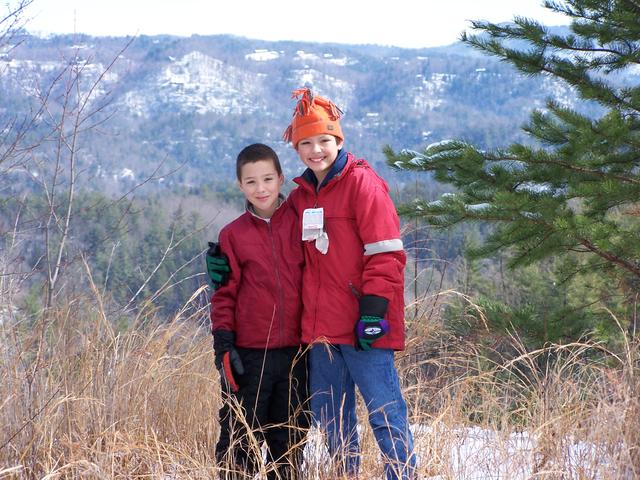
(574, 192)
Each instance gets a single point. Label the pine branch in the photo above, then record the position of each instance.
(611, 257)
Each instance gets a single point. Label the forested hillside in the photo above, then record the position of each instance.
(191, 103)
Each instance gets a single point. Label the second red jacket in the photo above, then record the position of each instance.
(261, 303)
(365, 255)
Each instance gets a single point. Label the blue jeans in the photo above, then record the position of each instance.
(334, 371)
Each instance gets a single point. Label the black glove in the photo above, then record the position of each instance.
(228, 361)
(372, 325)
(218, 269)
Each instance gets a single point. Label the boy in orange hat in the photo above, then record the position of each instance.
(353, 290)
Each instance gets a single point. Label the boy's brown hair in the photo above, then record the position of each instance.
(254, 153)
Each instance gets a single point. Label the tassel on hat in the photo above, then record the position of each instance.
(312, 115)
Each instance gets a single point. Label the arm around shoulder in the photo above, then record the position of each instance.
(223, 300)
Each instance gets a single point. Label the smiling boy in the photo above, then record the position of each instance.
(353, 295)
(255, 321)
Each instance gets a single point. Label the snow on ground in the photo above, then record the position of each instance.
(474, 453)
(262, 55)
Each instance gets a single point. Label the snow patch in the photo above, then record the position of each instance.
(262, 55)
(481, 454)
(199, 83)
(126, 174)
(427, 95)
(306, 56)
(340, 91)
(563, 93)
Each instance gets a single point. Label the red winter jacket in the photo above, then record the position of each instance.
(365, 255)
(261, 303)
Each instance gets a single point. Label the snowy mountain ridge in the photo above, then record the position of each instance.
(196, 101)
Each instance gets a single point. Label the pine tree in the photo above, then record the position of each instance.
(573, 191)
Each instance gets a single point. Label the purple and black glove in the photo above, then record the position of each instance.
(372, 325)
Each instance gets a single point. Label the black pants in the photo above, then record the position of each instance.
(272, 402)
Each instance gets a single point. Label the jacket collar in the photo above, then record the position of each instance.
(336, 169)
(249, 209)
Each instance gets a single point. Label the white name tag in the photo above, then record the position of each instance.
(312, 223)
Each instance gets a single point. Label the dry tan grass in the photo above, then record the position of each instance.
(80, 399)
(560, 412)
(83, 400)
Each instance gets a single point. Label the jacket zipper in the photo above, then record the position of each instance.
(315, 309)
(280, 305)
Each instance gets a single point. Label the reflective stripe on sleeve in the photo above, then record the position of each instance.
(383, 246)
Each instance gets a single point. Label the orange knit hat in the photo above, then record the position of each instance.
(312, 116)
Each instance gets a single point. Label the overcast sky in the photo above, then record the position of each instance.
(405, 23)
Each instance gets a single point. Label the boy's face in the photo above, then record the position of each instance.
(260, 183)
(318, 153)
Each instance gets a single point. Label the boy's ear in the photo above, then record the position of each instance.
(340, 144)
(281, 180)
